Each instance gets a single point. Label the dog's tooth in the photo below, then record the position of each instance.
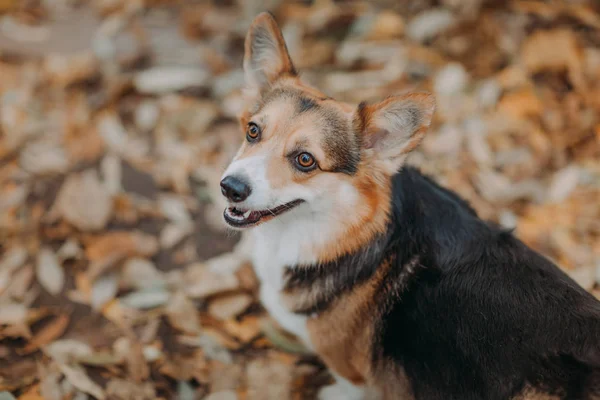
(247, 214)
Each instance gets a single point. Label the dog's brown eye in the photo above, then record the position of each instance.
(252, 132)
(305, 161)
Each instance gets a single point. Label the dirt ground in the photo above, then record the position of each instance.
(118, 279)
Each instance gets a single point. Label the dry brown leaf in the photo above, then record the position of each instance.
(136, 363)
(147, 298)
(225, 376)
(44, 158)
(77, 377)
(12, 313)
(32, 393)
(104, 289)
(227, 307)
(121, 389)
(269, 379)
(520, 104)
(20, 282)
(182, 314)
(66, 350)
(247, 277)
(214, 342)
(140, 273)
(84, 202)
(202, 281)
(129, 244)
(554, 50)
(50, 332)
(63, 71)
(223, 395)
(245, 330)
(49, 272)
(169, 79)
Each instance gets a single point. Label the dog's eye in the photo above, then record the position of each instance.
(305, 161)
(252, 132)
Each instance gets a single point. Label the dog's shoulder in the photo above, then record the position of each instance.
(480, 306)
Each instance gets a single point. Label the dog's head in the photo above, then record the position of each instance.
(306, 155)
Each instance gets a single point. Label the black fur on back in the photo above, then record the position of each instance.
(483, 315)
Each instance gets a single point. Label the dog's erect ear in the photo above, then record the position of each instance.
(394, 127)
(266, 56)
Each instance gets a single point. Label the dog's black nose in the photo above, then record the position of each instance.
(235, 189)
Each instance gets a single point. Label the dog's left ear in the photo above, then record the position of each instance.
(394, 127)
(266, 56)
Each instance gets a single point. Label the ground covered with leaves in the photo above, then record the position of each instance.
(117, 278)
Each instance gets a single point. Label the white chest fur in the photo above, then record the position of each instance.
(271, 253)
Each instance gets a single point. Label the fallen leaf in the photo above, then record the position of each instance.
(44, 158)
(281, 339)
(65, 350)
(70, 250)
(112, 173)
(225, 376)
(172, 234)
(202, 281)
(212, 344)
(13, 259)
(269, 379)
(554, 50)
(84, 202)
(32, 394)
(223, 395)
(129, 244)
(520, 104)
(563, 184)
(182, 314)
(136, 362)
(140, 273)
(50, 332)
(185, 391)
(49, 272)
(100, 359)
(146, 115)
(77, 377)
(16, 285)
(227, 307)
(174, 208)
(144, 299)
(104, 289)
(245, 330)
(429, 24)
(122, 389)
(168, 79)
(12, 313)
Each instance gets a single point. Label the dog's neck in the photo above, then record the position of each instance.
(310, 289)
(348, 258)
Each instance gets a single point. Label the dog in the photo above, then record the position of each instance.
(391, 279)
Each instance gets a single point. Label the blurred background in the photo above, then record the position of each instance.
(117, 278)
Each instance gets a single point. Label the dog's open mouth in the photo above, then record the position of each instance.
(239, 218)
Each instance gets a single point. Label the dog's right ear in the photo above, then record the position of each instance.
(266, 56)
(394, 127)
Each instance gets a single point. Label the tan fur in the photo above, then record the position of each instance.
(371, 216)
(532, 394)
(347, 349)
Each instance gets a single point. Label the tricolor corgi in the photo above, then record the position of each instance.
(391, 279)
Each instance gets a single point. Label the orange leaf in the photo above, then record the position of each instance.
(47, 334)
(32, 394)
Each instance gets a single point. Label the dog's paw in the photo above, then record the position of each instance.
(341, 391)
